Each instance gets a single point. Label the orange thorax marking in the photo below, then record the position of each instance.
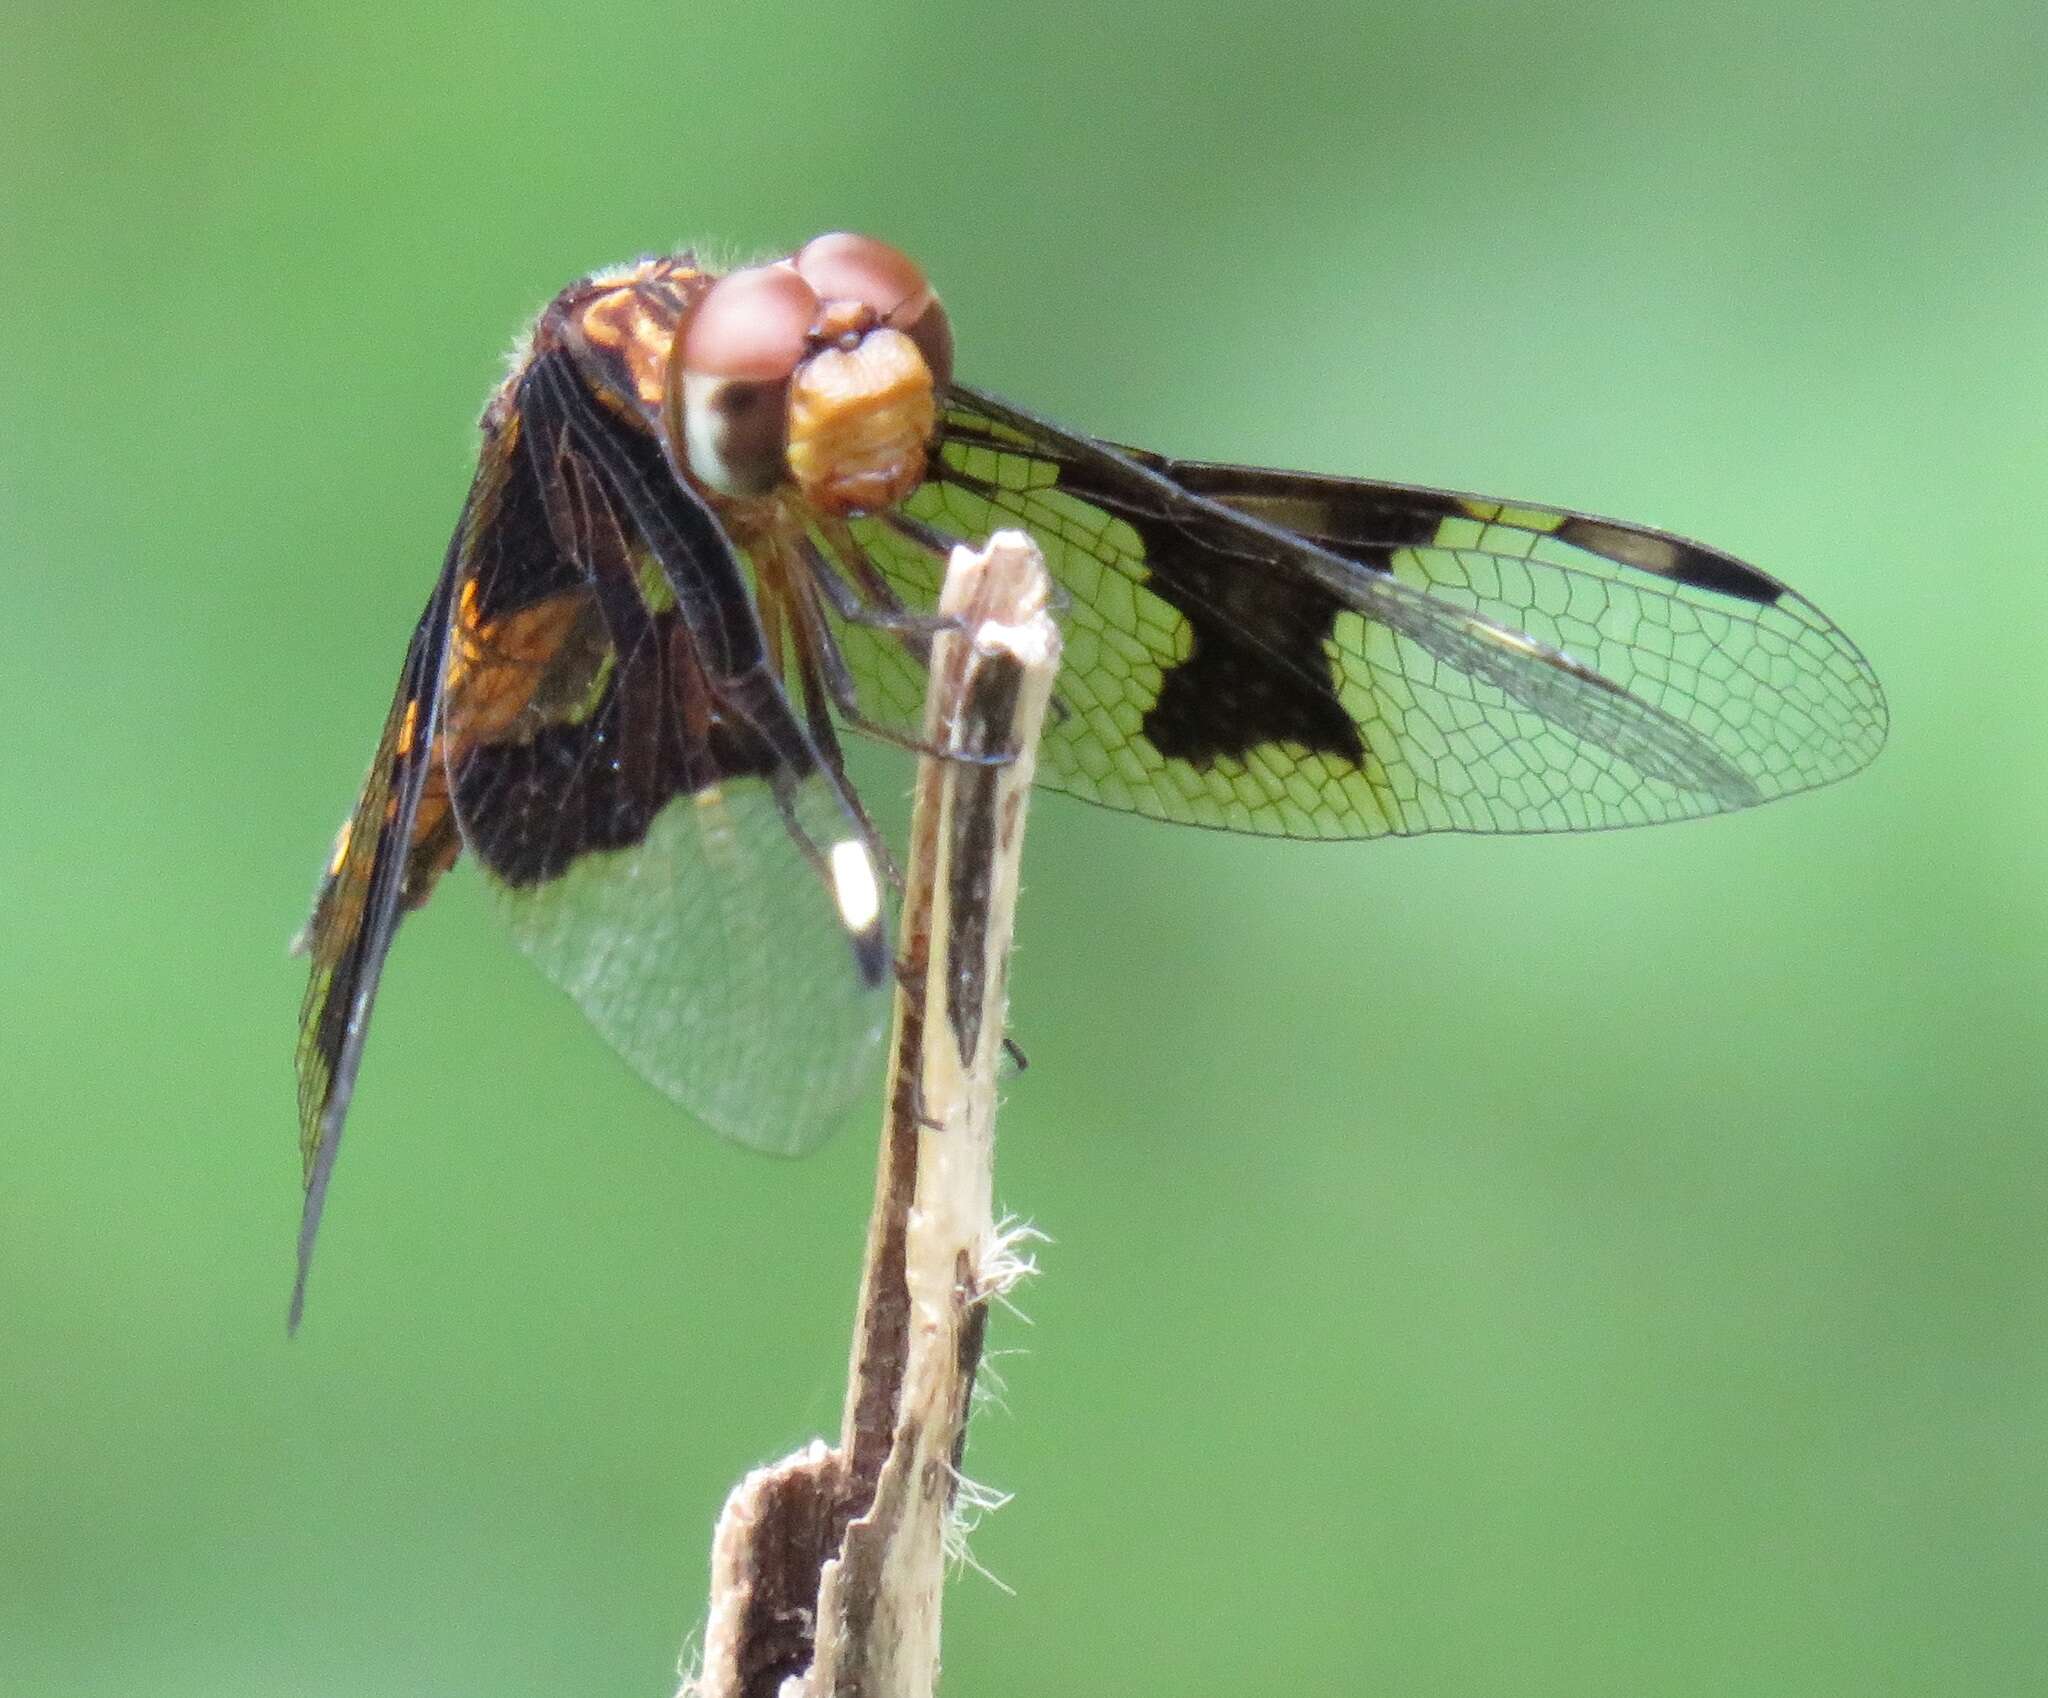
(633, 322)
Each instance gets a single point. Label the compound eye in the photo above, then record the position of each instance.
(753, 324)
(740, 349)
(859, 268)
(843, 267)
(932, 331)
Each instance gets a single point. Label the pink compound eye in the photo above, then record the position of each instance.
(751, 325)
(844, 267)
(740, 349)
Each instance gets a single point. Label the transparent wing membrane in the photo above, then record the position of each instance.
(706, 956)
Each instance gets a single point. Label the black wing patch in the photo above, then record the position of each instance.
(1226, 698)
(582, 711)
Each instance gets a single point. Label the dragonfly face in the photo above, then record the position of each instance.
(819, 372)
(705, 534)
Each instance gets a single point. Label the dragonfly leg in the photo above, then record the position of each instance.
(825, 665)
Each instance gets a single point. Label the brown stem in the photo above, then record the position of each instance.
(827, 1568)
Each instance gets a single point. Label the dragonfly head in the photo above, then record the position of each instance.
(822, 370)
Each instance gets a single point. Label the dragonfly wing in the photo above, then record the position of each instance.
(392, 848)
(1322, 657)
(668, 845)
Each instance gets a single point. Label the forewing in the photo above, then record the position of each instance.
(388, 855)
(667, 861)
(1325, 657)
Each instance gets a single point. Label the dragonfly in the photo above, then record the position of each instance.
(703, 543)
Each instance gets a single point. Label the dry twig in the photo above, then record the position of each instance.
(827, 1567)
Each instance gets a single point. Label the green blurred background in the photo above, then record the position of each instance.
(1606, 1265)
